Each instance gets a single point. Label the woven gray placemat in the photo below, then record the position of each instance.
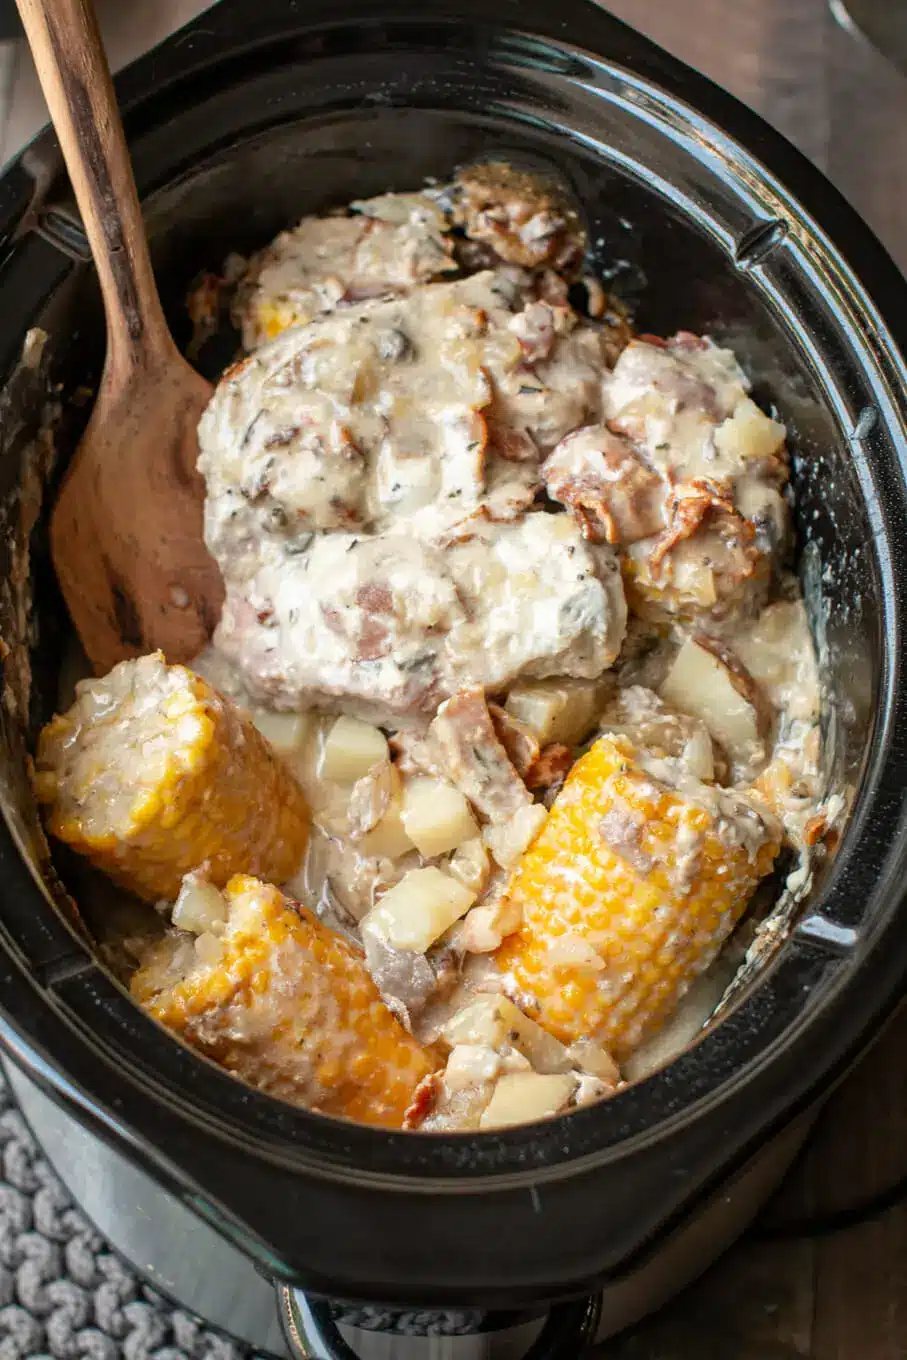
(63, 1293)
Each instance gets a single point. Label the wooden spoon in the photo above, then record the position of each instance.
(126, 532)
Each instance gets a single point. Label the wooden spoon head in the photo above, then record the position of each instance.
(126, 532)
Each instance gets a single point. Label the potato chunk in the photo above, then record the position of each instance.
(724, 697)
(200, 907)
(495, 1022)
(556, 710)
(351, 749)
(388, 838)
(418, 910)
(436, 816)
(522, 1097)
(287, 733)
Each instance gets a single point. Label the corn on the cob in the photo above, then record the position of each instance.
(152, 773)
(286, 1004)
(627, 894)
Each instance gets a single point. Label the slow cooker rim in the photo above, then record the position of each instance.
(881, 758)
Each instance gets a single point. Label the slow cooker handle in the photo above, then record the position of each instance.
(569, 1329)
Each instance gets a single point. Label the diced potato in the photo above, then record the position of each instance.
(508, 840)
(470, 1065)
(522, 1097)
(370, 798)
(701, 684)
(388, 839)
(495, 1022)
(351, 748)
(458, 1111)
(557, 710)
(591, 1057)
(749, 433)
(777, 650)
(418, 909)
(471, 865)
(698, 755)
(209, 949)
(286, 732)
(436, 816)
(200, 907)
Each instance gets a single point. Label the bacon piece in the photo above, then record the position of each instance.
(514, 446)
(425, 1098)
(535, 327)
(515, 737)
(551, 768)
(613, 496)
(414, 754)
(524, 221)
(474, 759)
(691, 503)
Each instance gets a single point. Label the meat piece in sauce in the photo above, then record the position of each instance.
(601, 479)
(408, 981)
(392, 626)
(719, 572)
(639, 714)
(389, 244)
(538, 601)
(362, 620)
(332, 426)
(523, 220)
(685, 405)
(473, 758)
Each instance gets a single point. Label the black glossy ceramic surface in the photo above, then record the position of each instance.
(263, 110)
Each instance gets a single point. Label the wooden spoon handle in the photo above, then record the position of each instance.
(69, 56)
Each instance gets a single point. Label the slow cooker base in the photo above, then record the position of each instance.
(186, 1260)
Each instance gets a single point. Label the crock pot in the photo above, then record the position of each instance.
(706, 219)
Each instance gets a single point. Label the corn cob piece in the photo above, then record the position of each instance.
(286, 1004)
(628, 893)
(152, 773)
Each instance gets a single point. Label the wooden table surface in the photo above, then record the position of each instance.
(841, 1297)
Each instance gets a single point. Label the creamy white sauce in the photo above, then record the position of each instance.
(372, 476)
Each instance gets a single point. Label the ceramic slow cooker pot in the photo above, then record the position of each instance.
(265, 109)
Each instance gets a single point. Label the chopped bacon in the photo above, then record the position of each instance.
(550, 768)
(375, 598)
(535, 328)
(815, 829)
(746, 686)
(514, 446)
(425, 1098)
(612, 494)
(502, 509)
(516, 739)
(474, 759)
(234, 370)
(691, 503)
(524, 222)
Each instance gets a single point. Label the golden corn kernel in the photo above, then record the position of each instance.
(152, 773)
(653, 878)
(291, 1008)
